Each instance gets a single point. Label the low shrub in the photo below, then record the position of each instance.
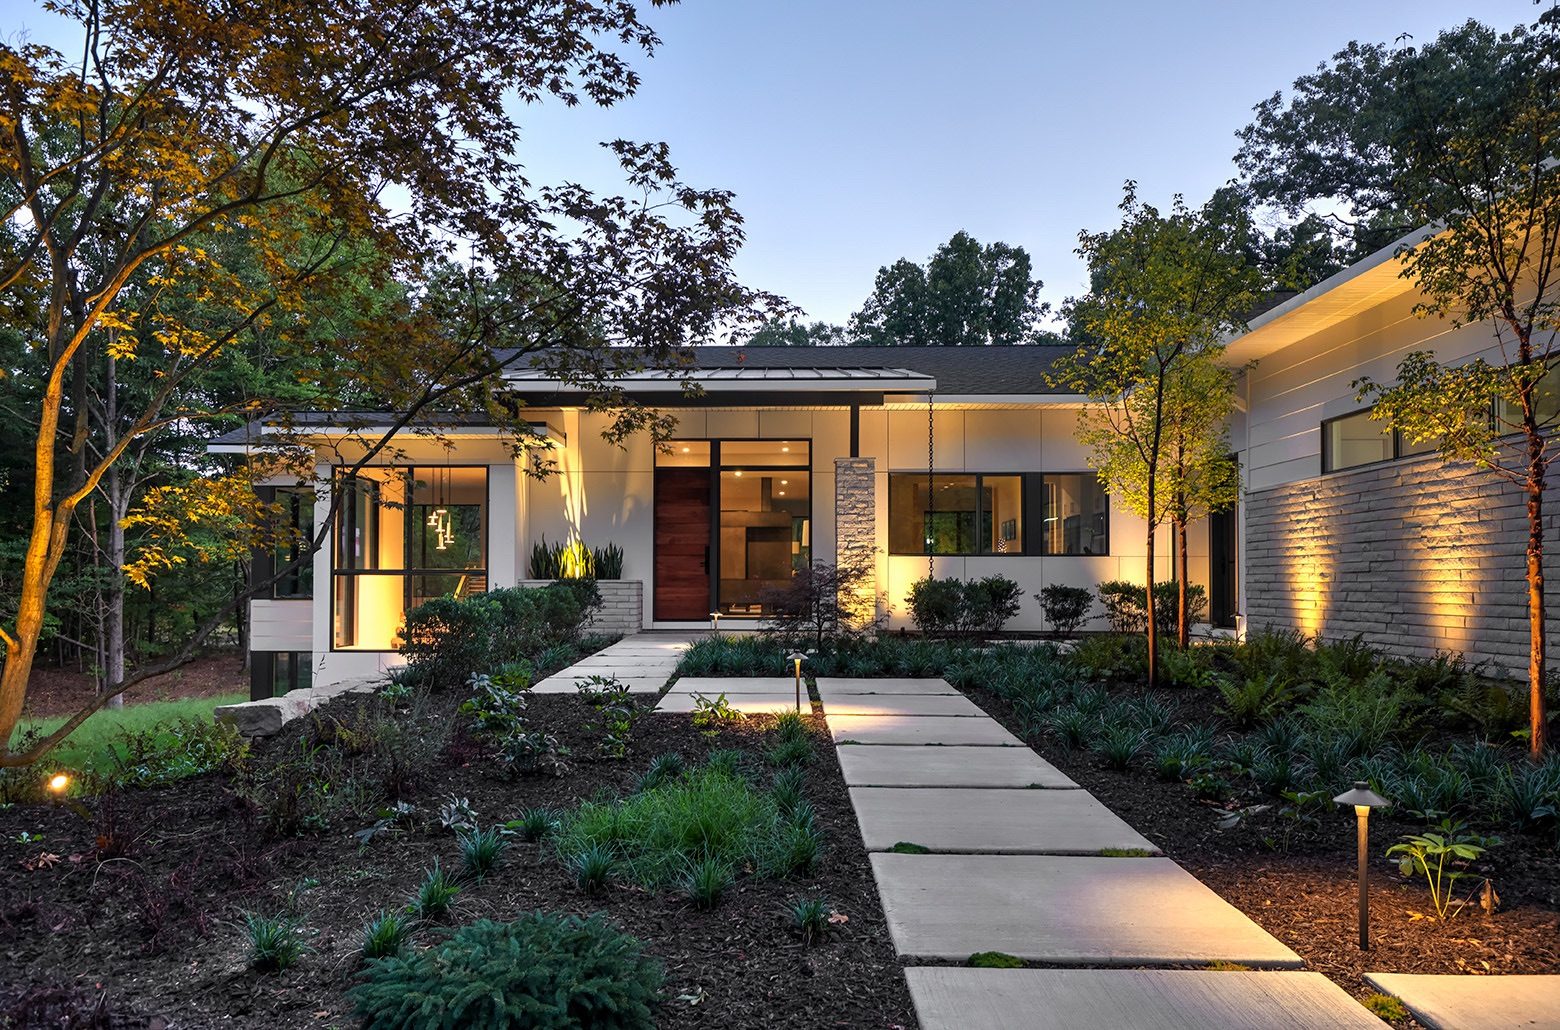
(435, 895)
(1111, 657)
(786, 789)
(710, 813)
(663, 769)
(386, 935)
(1442, 859)
(1065, 608)
(480, 851)
(963, 608)
(810, 917)
(447, 639)
(1369, 713)
(1253, 701)
(534, 753)
(707, 881)
(535, 824)
(789, 753)
(1126, 605)
(274, 944)
(540, 972)
(593, 869)
(177, 749)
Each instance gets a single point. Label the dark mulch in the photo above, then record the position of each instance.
(1296, 879)
(157, 931)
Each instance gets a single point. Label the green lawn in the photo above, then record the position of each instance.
(94, 740)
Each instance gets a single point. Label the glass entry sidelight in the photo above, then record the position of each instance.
(733, 524)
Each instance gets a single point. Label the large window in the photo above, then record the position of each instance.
(1077, 514)
(765, 491)
(404, 536)
(955, 514)
(1355, 440)
(1033, 513)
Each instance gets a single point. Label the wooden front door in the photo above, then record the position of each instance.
(682, 544)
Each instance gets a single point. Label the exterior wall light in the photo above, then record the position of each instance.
(1363, 799)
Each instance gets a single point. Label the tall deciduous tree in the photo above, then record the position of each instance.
(194, 175)
(1463, 135)
(1164, 290)
(967, 295)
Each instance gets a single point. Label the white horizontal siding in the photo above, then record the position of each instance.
(281, 625)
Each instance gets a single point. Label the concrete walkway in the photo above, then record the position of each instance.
(1456, 1002)
(644, 661)
(978, 844)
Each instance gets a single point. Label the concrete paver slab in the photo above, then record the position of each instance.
(891, 765)
(1131, 999)
(919, 729)
(1445, 1002)
(952, 819)
(557, 685)
(747, 704)
(902, 704)
(729, 685)
(841, 685)
(1070, 911)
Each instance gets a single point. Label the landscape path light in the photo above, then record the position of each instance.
(715, 623)
(797, 658)
(1363, 799)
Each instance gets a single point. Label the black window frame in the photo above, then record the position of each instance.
(1397, 444)
(1032, 499)
(1035, 482)
(351, 574)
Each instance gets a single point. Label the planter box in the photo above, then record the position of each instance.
(622, 605)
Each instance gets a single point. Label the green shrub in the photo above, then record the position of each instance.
(447, 639)
(1126, 605)
(797, 850)
(385, 935)
(1177, 757)
(963, 608)
(1191, 668)
(710, 714)
(789, 753)
(480, 851)
(786, 789)
(593, 869)
(1268, 652)
(1368, 713)
(607, 561)
(177, 749)
(540, 972)
(1442, 859)
(810, 917)
(1111, 657)
(663, 769)
(274, 944)
(535, 824)
(707, 881)
(1072, 726)
(710, 813)
(1118, 745)
(435, 894)
(533, 753)
(1252, 701)
(1065, 608)
(1528, 796)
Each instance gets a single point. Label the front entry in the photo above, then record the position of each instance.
(733, 524)
(682, 544)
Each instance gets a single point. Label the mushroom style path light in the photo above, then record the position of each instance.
(797, 658)
(1363, 799)
(715, 623)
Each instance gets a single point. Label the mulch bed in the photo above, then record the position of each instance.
(157, 931)
(1297, 880)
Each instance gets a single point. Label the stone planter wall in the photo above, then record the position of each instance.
(622, 605)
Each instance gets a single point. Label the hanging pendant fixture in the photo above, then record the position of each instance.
(439, 519)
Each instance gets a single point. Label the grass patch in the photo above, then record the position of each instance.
(709, 815)
(906, 847)
(1125, 853)
(97, 743)
(1224, 966)
(1385, 1006)
(995, 960)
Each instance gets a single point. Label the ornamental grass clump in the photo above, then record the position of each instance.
(709, 814)
(540, 972)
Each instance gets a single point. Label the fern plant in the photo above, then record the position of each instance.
(540, 972)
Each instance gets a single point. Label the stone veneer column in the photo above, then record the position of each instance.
(855, 532)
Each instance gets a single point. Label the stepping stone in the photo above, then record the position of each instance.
(841, 685)
(1131, 999)
(556, 685)
(714, 686)
(1067, 911)
(902, 704)
(919, 766)
(1447, 1001)
(747, 704)
(953, 819)
(919, 729)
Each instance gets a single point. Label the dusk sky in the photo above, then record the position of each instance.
(857, 132)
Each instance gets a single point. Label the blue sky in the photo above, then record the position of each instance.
(855, 132)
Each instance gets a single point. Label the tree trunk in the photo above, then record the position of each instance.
(1183, 627)
(1535, 584)
(118, 508)
(1153, 629)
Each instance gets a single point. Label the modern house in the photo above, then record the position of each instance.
(1349, 529)
(949, 461)
(944, 460)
